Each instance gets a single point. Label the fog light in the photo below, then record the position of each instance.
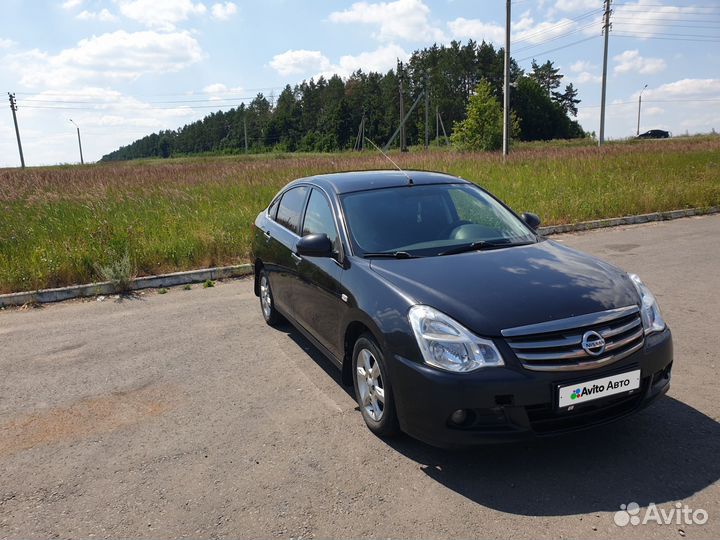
(459, 416)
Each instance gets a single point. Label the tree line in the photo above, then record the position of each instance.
(324, 115)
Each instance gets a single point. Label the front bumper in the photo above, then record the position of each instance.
(512, 403)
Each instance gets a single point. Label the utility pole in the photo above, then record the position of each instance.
(427, 111)
(506, 84)
(402, 122)
(437, 126)
(442, 124)
(13, 108)
(360, 139)
(606, 30)
(79, 142)
(639, 105)
(245, 133)
(402, 115)
(362, 135)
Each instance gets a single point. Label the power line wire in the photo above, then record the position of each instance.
(650, 36)
(630, 22)
(536, 33)
(557, 48)
(554, 38)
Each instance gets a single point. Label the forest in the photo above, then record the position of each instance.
(325, 115)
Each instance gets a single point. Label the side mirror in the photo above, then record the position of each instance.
(532, 220)
(314, 245)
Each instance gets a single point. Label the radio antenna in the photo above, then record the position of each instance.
(410, 180)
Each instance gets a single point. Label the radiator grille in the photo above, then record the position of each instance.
(558, 345)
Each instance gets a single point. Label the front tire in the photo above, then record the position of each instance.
(373, 391)
(267, 303)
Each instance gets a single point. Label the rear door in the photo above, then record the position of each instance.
(319, 307)
(282, 234)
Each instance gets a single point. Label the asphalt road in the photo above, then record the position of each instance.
(183, 414)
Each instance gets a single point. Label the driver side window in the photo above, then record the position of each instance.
(319, 219)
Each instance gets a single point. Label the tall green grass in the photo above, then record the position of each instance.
(60, 225)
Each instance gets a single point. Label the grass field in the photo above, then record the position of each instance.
(62, 225)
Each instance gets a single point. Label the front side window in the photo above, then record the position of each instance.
(291, 207)
(272, 209)
(319, 218)
(429, 220)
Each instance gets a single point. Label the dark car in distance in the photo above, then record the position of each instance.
(654, 134)
(452, 318)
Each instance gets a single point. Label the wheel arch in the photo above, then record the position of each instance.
(353, 331)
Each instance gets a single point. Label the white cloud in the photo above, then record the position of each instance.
(582, 72)
(581, 65)
(315, 64)
(587, 77)
(524, 30)
(103, 16)
(220, 91)
(223, 12)
(577, 5)
(299, 61)
(116, 55)
(402, 19)
(543, 31)
(685, 89)
(462, 28)
(160, 14)
(71, 4)
(380, 60)
(631, 61)
(6, 43)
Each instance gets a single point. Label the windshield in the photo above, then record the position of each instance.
(429, 220)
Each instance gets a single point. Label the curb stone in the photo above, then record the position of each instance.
(106, 288)
(196, 276)
(626, 220)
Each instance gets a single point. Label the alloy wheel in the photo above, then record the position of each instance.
(370, 385)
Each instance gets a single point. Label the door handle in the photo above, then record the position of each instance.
(297, 258)
(267, 234)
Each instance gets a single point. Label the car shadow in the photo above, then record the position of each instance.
(664, 453)
(319, 358)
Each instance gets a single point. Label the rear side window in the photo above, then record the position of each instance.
(291, 207)
(319, 218)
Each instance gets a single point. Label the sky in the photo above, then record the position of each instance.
(122, 69)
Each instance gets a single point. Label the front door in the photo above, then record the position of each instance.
(319, 307)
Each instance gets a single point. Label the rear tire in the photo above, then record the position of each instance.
(267, 303)
(373, 390)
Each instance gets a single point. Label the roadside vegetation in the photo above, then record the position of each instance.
(76, 224)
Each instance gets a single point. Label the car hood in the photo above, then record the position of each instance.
(488, 291)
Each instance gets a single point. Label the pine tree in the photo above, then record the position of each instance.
(568, 99)
(546, 75)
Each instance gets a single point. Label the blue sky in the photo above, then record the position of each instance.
(124, 68)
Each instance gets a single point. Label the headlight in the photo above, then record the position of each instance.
(649, 310)
(446, 344)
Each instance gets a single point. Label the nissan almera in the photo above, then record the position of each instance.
(452, 318)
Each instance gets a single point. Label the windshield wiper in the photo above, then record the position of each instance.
(483, 244)
(391, 255)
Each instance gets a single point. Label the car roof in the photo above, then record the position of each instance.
(347, 182)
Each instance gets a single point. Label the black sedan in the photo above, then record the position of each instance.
(655, 134)
(453, 319)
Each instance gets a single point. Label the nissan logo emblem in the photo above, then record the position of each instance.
(593, 343)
